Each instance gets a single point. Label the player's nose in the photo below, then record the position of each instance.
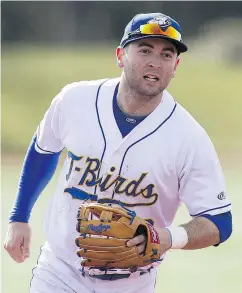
(155, 62)
(155, 65)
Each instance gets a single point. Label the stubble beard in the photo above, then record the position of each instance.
(142, 91)
(145, 92)
(149, 92)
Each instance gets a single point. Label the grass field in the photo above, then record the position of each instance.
(32, 76)
(210, 91)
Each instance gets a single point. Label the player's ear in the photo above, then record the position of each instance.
(177, 61)
(119, 56)
(176, 64)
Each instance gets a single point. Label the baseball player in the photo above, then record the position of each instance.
(128, 141)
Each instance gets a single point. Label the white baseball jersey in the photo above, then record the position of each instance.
(165, 160)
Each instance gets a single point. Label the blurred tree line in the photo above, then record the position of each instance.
(73, 21)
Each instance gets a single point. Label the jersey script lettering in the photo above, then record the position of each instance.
(120, 184)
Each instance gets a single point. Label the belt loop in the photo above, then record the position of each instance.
(83, 272)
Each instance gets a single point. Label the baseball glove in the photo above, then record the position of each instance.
(103, 239)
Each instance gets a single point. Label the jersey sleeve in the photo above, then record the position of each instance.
(49, 130)
(202, 185)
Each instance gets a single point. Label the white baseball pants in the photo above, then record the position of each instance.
(52, 275)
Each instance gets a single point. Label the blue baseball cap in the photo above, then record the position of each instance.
(153, 25)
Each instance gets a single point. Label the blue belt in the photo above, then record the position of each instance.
(113, 277)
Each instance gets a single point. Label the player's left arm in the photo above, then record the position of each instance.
(200, 232)
(202, 188)
(208, 230)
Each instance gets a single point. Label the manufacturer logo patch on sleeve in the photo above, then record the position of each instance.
(221, 196)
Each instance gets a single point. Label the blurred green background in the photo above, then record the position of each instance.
(208, 84)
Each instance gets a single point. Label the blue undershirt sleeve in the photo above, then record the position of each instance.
(38, 169)
(224, 224)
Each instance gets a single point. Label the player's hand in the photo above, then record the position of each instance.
(140, 241)
(165, 239)
(17, 241)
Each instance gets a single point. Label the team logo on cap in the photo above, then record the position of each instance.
(163, 21)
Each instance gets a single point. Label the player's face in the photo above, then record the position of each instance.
(148, 65)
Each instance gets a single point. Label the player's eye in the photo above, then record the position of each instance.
(145, 51)
(167, 55)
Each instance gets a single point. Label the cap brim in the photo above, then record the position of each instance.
(181, 47)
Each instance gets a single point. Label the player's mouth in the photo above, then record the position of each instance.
(151, 77)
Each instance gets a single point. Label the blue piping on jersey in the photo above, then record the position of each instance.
(105, 143)
(34, 268)
(50, 152)
(37, 135)
(210, 210)
(144, 138)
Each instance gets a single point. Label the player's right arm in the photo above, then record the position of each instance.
(38, 168)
